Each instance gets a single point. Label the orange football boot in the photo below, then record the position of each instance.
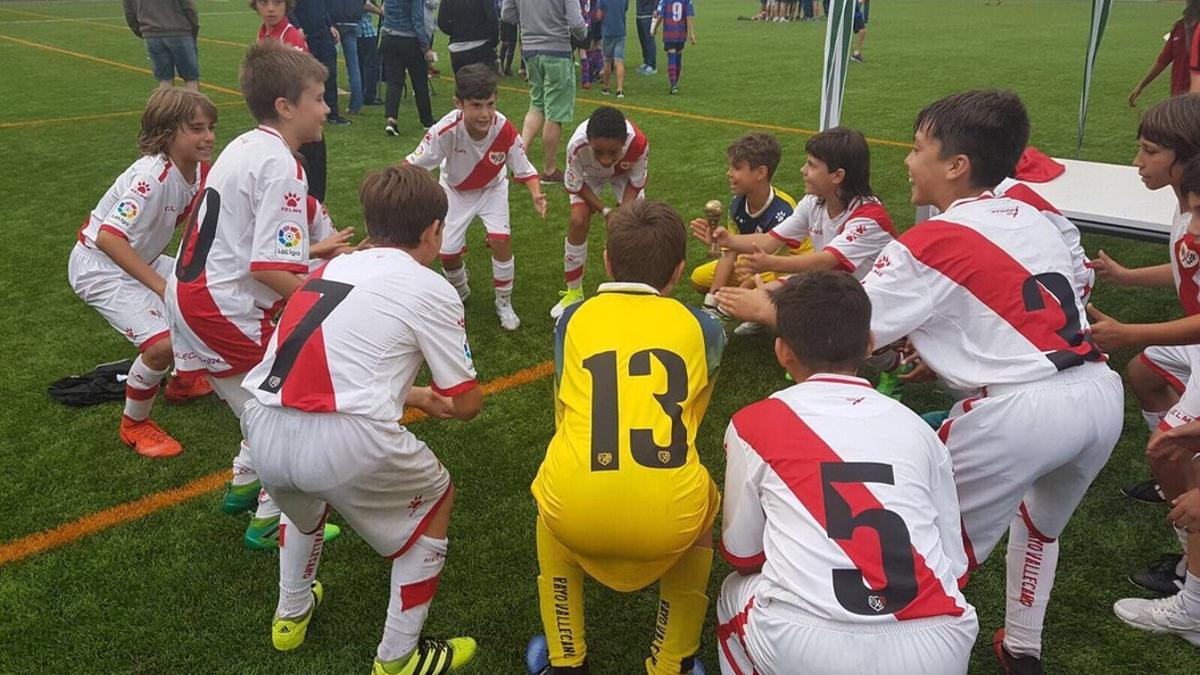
(148, 439)
(186, 387)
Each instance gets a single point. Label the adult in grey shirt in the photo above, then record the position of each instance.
(547, 27)
(169, 29)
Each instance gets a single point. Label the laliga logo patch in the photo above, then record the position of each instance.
(497, 158)
(127, 210)
(288, 241)
(291, 202)
(876, 602)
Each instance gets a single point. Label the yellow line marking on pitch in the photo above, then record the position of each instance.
(121, 514)
(95, 116)
(647, 109)
(107, 62)
(122, 28)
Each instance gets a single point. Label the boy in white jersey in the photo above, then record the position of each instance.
(1168, 155)
(118, 266)
(473, 147)
(846, 222)
(609, 150)
(246, 247)
(322, 419)
(808, 470)
(985, 295)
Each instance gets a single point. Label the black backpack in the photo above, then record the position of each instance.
(105, 383)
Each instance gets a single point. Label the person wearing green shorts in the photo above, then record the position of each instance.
(547, 27)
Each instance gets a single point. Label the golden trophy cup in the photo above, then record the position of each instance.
(713, 210)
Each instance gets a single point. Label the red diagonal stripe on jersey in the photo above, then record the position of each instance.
(637, 148)
(486, 169)
(1023, 193)
(202, 314)
(876, 212)
(308, 385)
(795, 453)
(995, 278)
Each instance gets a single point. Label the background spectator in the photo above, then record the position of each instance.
(405, 46)
(346, 15)
(473, 27)
(645, 14)
(169, 28)
(547, 27)
(368, 51)
(312, 17)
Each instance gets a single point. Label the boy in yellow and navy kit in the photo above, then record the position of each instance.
(622, 494)
(757, 207)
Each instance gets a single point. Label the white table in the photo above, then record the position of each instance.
(1106, 198)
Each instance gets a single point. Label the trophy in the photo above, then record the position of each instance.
(712, 213)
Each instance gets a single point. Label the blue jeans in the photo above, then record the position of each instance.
(349, 40)
(649, 49)
(173, 54)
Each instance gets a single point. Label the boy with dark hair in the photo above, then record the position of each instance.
(984, 294)
(606, 149)
(473, 147)
(323, 409)
(612, 502)
(117, 267)
(792, 599)
(757, 206)
(245, 249)
(840, 214)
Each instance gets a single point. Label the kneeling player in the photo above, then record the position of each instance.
(322, 421)
(118, 267)
(605, 150)
(811, 471)
(621, 494)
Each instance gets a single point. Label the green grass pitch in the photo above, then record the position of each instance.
(176, 592)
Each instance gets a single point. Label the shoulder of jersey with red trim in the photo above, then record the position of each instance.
(875, 210)
(1027, 195)
(637, 145)
(450, 122)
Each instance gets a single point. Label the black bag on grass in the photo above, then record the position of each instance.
(105, 383)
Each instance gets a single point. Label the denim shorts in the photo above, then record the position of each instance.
(173, 55)
(614, 48)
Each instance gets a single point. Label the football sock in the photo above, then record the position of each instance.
(560, 600)
(1153, 418)
(502, 276)
(1190, 596)
(674, 63)
(585, 69)
(299, 555)
(140, 389)
(1031, 561)
(243, 467)
(682, 606)
(415, 577)
(458, 277)
(266, 506)
(574, 260)
(596, 59)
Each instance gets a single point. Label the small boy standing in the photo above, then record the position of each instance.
(675, 16)
(606, 149)
(473, 147)
(117, 267)
(246, 247)
(612, 18)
